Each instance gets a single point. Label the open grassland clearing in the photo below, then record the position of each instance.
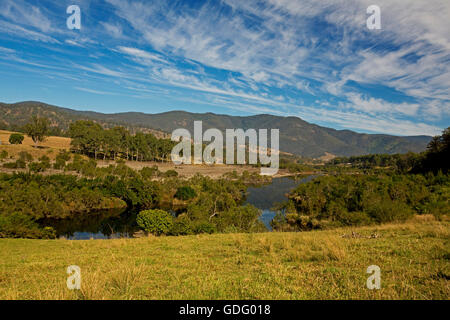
(413, 257)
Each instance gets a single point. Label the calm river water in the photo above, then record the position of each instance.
(117, 224)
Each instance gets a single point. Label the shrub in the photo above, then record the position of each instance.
(45, 160)
(204, 227)
(18, 225)
(16, 138)
(88, 168)
(25, 156)
(61, 158)
(41, 166)
(388, 211)
(155, 221)
(36, 167)
(170, 173)
(149, 172)
(185, 193)
(3, 155)
(182, 226)
(59, 164)
(19, 164)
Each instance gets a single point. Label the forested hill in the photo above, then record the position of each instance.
(296, 135)
(14, 116)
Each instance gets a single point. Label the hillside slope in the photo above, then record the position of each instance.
(296, 135)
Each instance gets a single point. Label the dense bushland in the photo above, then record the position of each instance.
(200, 203)
(330, 201)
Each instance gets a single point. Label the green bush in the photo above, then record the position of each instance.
(41, 166)
(25, 156)
(3, 155)
(155, 221)
(170, 173)
(37, 167)
(19, 164)
(18, 225)
(388, 211)
(149, 172)
(182, 226)
(204, 227)
(61, 158)
(16, 138)
(185, 193)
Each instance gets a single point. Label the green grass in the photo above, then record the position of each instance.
(413, 257)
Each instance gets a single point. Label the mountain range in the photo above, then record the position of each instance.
(297, 136)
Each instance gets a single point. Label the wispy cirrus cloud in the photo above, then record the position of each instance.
(307, 58)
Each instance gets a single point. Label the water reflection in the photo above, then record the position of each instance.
(105, 224)
(111, 224)
(267, 196)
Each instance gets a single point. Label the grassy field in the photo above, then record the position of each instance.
(50, 147)
(413, 257)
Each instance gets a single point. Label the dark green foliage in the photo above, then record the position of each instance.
(3, 155)
(25, 156)
(92, 139)
(363, 199)
(38, 129)
(240, 219)
(17, 225)
(182, 226)
(41, 166)
(204, 227)
(157, 222)
(16, 138)
(185, 193)
(18, 164)
(149, 172)
(434, 159)
(56, 196)
(61, 158)
(170, 173)
(401, 163)
(437, 156)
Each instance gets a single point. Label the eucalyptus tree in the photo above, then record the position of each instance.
(37, 129)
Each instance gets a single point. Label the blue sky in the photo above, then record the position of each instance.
(312, 59)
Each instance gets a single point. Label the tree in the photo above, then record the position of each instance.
(436, 157)
(87, 136)
(37, 129)
(16, 138)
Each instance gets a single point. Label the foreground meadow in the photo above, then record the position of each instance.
(413, 257)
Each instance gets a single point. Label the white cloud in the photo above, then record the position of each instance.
(113, 29)
(377, 106)
(21, 12)
(141, 55)
(95, 91)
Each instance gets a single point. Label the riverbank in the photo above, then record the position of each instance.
(413, 258)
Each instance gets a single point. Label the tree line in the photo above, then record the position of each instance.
(91, 139)
(434, 159)
(202, 205)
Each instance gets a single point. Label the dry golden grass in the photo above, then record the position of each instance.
(413, 257)
(50, 147)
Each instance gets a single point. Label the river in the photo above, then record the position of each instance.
(122, 224)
